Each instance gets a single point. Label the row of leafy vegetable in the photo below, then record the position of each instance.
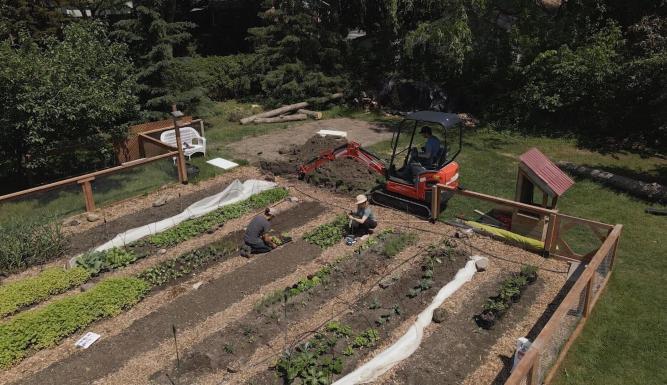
(20, 294)
(510, 292)
(40, 328)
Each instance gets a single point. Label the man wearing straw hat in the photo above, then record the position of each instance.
(256, 238)
(362, 221)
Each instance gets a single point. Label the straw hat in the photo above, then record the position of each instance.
(361, 198)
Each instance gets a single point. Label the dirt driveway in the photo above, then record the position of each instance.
(266, 147)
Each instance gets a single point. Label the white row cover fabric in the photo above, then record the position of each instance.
(234, 193)
(410, 341)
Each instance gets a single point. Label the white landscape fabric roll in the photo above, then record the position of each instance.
(235, 192)
(410, 341)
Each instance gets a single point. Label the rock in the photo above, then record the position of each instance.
(197, 285)
(439, 315)
(293, 199)
(73, 222)
(234, 367)
(162, 251)
(211, 230)
(92, 217)
(482, 263)
(86, 286)
(161, 201)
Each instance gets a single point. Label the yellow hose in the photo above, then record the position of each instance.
(520, 239)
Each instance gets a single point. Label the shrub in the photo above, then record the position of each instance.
(41, 328)
(193, 227)
(225, 77)
(29, 243)
(16, 295)
(328, 234)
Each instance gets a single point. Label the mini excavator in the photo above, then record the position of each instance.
(408, 187)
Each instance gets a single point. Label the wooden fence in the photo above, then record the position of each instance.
(540, 364)
(141, 147)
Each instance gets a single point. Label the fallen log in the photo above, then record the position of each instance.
(653, 192)
(313, 114)
(276, 112)
(278, 119)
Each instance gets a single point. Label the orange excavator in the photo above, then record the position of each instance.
(409, 187)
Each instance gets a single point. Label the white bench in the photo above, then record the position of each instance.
(190, 138)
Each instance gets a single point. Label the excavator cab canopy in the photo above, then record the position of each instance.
(407, 143)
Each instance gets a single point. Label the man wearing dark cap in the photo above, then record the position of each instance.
(256, 238)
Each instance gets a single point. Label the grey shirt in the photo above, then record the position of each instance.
(257, 227)
(366, 211)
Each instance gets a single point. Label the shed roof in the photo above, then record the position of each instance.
(536, 164)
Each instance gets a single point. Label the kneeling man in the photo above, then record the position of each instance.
(257, 233)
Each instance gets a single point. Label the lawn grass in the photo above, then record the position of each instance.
(219, 132)
(624, 341)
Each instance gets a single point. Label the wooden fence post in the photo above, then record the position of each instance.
(435, 203)
(88, 193)
(587, 298)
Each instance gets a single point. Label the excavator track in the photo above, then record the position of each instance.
(384, 198)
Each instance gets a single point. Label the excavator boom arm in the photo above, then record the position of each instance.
(349, 150)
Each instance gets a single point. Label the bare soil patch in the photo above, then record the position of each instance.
(342, 175)
(185, 311)
(458, 346)
(266, 147)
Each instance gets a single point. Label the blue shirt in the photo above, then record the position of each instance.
(432, 147)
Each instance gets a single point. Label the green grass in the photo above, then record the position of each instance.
(623, 342)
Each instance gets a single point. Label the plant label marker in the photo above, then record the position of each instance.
(87, 340)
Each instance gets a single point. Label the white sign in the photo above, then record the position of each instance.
(522, 346)
(342, 134)
(222, 163)
(87, 340)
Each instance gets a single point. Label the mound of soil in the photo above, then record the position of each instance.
(342, 175)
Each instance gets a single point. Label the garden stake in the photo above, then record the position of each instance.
(178, 359)
(169, 378)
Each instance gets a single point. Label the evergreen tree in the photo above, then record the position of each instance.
(300, 52)
(156, 44)
(33, 17)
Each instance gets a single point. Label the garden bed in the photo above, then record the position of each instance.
(342, 175)
(186, 310)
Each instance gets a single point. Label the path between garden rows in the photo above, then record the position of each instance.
(185, 311)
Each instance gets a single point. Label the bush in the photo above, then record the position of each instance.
(41, 328)
(193, 227)
(16, 295)
(225, 77)
(29, 243)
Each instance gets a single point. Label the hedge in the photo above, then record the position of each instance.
(193, 227)
(15, 295)
(41, 328)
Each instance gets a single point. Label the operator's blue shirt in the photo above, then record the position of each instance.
(433, 148)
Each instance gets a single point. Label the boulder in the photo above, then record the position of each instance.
(439, 315)
(92, 217)
(162, 251)
(482, 263)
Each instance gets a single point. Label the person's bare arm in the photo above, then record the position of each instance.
(267, 239)
(360, 220)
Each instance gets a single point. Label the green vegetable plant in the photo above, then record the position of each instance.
(328, 234)
(397, 243)
(193, 227)
(29, 291)
(44, 327)
(509, 292)
(97, 262)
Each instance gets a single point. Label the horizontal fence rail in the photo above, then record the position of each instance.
(139, 136)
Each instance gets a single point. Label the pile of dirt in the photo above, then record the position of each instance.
(342, 175)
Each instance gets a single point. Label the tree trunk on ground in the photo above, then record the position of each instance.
(276, 112)
(313, 114)
(650, 191)
(278, 119)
